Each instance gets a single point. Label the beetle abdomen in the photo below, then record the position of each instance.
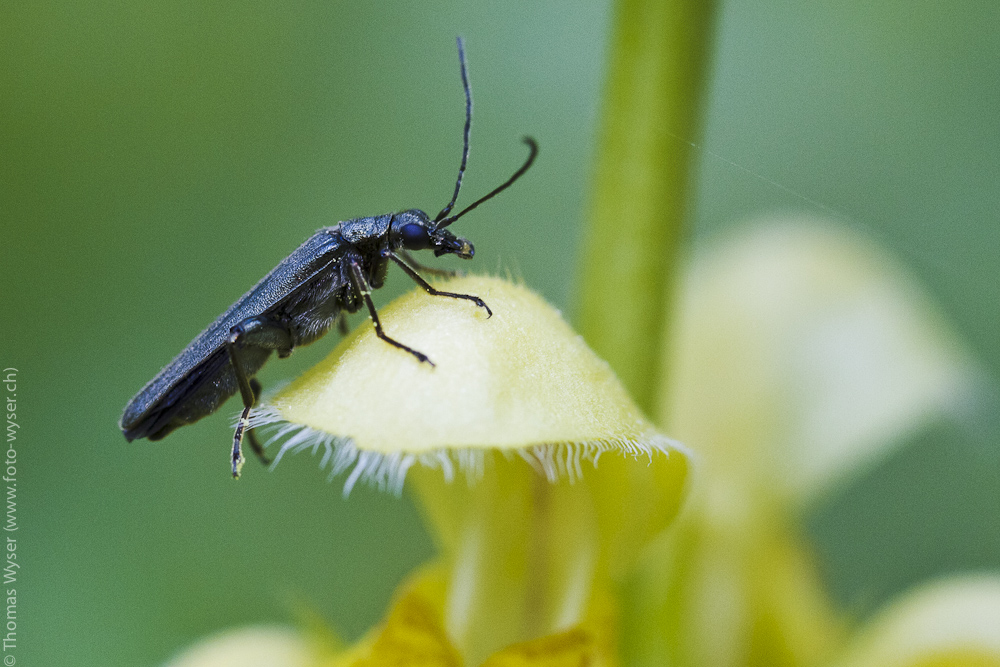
(197, 395)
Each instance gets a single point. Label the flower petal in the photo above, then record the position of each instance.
(567, 480)
(954, 622)
(263, 646)
(521, 382)
(726, 595)
(521, 377)
(413, 633)
(802, 354)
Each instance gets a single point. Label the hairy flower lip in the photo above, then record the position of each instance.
(521, 384)
(387, 471)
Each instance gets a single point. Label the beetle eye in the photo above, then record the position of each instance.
(415, 236)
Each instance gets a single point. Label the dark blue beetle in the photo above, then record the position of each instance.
(331, 274)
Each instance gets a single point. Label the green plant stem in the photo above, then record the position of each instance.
(653, 94)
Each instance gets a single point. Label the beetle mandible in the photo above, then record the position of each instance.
(331, 274)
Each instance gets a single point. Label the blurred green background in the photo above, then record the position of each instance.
(157, 158)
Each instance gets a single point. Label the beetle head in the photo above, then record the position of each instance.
(414, 230)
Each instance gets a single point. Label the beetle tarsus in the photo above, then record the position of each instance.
(238, 441)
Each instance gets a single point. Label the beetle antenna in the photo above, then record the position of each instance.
(468, 129)
(533, 145)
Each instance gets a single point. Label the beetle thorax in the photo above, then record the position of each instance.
(362, 232)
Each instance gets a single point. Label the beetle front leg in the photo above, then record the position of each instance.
(417, 278)
(362, 291)
(417, 266)
(258, 332)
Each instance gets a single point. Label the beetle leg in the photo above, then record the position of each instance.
(251, 433)
(436, 292)
(259, 332)
(342, 324)
(417, 266)
(364, 292)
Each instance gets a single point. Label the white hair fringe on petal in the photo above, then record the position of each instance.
(387, 472)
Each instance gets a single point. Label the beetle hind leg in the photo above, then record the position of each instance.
(251, 433)
(264, 333)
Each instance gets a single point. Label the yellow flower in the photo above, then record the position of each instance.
(802, 355)
(954, 622)
(540, 479)
(254, 646)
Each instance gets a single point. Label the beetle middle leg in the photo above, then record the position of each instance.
(342, 323)
(263, 333)
(363, 291)
(436, 292)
